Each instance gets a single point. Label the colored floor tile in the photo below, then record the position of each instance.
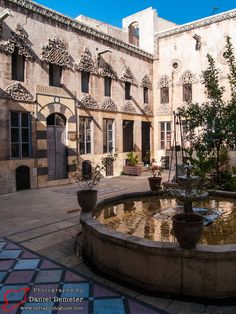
(48, 265)
(72, 277)
(20, 277)
(2, 275)
(99, 291)
(49, 276)
(2, 244)
(27, 264)
(108, 306)
(136, 308)
(6, 264)
(77, 290)
(10, 254)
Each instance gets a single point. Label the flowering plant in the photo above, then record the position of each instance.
(156, 169)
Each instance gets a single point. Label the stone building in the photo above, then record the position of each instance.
(78, 88)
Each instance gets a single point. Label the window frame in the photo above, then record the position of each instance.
(15, 76)
(51, 75)
(106, 123)
(167, 132)
(187, 92)
(162, 89)
(85, 135)
(145, 95)
(85, 74)
(107, 86)
(127, 91)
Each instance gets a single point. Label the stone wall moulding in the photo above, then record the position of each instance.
(188, 78)
(56, 52)
(128, 77)
(17, 40)
(18, 92)
(108, 71)
(164, 81)
(109, 105)
(88, 102)
(146, 82)
(129, 108)
(86, 62)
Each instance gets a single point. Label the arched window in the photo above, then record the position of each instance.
(134, 34)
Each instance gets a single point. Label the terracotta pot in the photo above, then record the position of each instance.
(155, 183)
(87, 199)
(187, 231)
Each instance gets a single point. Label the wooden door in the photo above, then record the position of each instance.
(57, 157)
(146, 142)
(22, 178)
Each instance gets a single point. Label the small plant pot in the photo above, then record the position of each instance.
(155, 183)
(87, 199)
(187, 229)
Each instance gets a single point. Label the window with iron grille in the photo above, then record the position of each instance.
(85, 76)
(17, 66)
(187, 92)
(164, 95)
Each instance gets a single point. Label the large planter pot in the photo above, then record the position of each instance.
(87, 199)
(155, 183)
(187, 231)
(132, 170)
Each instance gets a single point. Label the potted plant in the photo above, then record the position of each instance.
(132, 168)
(155, 180)
(87, 195)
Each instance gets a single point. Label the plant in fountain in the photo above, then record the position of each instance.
(188, 226)
(155, 181)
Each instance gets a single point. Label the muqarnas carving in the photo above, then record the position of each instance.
(187, 78)
(17, 41)
(129, 108)
(18, 92)
(56, 52)
(88, 102)
(108, 71)
(109, 105)
(86, 62)
(128, 77)
(146, 82)
(164, 81)
(146, 110)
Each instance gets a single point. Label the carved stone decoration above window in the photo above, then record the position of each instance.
(109, 105)
(129, 108)
(164, 109)
(88, 102)
(86, 63)
(146, 110)
(56, 52)
(17, 40)
(188, 78)
(18, 92)
(164, 81)
(128, 77)
(108, 71)
(146, 82)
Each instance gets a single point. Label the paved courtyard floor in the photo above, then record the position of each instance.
(46, 221)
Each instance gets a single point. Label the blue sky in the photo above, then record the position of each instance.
(112, 11)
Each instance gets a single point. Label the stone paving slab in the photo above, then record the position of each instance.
(37, 285)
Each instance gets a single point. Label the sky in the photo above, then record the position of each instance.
(112, 11)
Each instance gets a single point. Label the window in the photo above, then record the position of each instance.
(107, 86)
(187, 92)
(128, 142)
(20, 135)
(134, 34)
(85, 81)
(55, 72)
(164, 95)
(127, 91)
(108, 135)
(145, 95)
(18, 66)
(165, 135)
(85, 135)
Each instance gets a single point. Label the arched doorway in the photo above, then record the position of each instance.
(57, 150)
(22, 178)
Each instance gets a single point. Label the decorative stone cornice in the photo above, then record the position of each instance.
(56, 52)
(77, 26)
(146, 110)
(128, 77)
(18, 92)
(86, 62)
(88, 102)
(164, 81)
(108, 71)
(146, 82)
(197, 24)
(17, 40)
(188, 78)
(129, 108)
(108, 105)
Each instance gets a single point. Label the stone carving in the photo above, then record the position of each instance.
(107, 71)
(17, 40)
(129, 108)
(128, 77)
(176, 65)
(108, 105)
(195, 25)
(146, 82)
(18, 92)
(187, 78)
(146, 110)
(77, 26)
(86, 62)
(164, 109)
(56, 52)
(164, 81)
(88, 102)
(198, 42)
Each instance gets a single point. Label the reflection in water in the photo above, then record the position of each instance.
(137, 217)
